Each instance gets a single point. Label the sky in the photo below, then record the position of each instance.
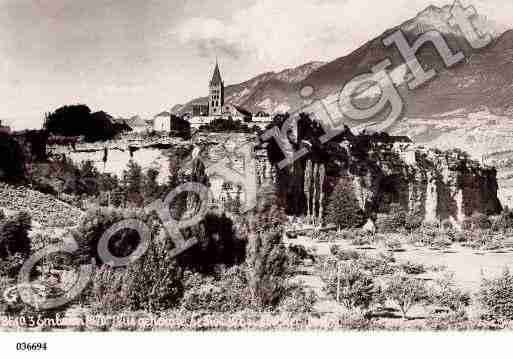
(130, 57)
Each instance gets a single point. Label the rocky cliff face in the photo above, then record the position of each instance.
(380, 170)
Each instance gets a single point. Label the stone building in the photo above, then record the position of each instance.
(216, 93)
(204, 113)
(162, 122)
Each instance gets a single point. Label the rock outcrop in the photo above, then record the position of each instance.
(382, 170)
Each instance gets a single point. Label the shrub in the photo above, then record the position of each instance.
(14, 238)
(394, 221)
(504, 222)
(298, 253)
(377, 266)
(484, 240)
(298, 300)
(12, 159)
(355, 288)
(405, 292)
(496, 296)
(448, 296)
(152, 283)
(413, 268)
(227, 293)
(267, 269)
(426, 235)
(413, 222)
(10, 266)
(361, 239)
(97, 222)
(348, 254)
(343, 208)
(441, 242)
(218, 244)
(480, 221)
(393, 244)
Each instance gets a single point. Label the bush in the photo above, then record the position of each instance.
(406, 292)
(496, 296)
(394, 244)
(413, 222)
(356, 288)
(343, 208)
(362, 239)
(480, 221)
(504, 222)
(441, 242)
(228, 293)
(268, 264)
(347, 254)
(12, 159)
(153, 283)
(394, 221)
(14, 238)
(267, 269)
(298, 253)
(298, 300)
(448, 296)
(97, 222)
(218, 244)
(377, 266)
(413, 268)
(426, 234)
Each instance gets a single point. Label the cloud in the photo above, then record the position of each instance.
(211, 37)
(288, 32)
(272, 32)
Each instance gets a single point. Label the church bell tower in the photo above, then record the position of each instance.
(216, 93)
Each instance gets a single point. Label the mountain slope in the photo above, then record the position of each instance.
(456, 87)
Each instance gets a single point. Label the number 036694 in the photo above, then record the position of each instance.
(31, 347)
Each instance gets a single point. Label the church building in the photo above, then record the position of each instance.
(216, 107)
(216, 93)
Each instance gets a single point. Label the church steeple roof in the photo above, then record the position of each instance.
(216, 78)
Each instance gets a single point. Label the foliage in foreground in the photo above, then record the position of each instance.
(406, 292)
(496, 296)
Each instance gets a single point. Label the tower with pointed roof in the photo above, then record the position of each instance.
(216, 93)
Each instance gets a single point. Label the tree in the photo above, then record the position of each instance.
(151, 186)
(218, 245)
(406, 292)
(133, 180)
(267, 261)
(78, 120)
(180, 127)
(352, 286)
(12, 159)
(343, 208)
(14, 238)
(225, 125)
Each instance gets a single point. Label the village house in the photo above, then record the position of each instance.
(162, 122)
(4, 129)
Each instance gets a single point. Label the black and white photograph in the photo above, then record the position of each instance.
(317, 167)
